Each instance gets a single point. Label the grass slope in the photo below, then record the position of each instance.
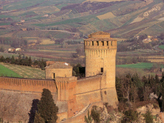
(23, 71)
(161, 46)
(4, 71)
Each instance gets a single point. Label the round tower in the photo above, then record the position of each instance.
(100, 51)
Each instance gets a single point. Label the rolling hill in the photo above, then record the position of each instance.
(120, 18)
(60, 25)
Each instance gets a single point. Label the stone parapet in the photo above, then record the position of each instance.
(100, 44)
(27, 85)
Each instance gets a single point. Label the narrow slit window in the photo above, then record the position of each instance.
(107, 43)
(92, 43)
(102, 70)
(53, 75)
(111, 43)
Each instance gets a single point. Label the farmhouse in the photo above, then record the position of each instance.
(74, 97)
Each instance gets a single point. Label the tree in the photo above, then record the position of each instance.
(38, 118)
(162, 94)
(47, 108)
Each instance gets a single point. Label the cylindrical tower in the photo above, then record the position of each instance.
(100, 51)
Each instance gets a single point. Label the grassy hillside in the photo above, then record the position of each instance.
(21, 71)
(4, 71)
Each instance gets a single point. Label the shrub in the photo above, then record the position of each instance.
(88, 119)
(95, 114)
(148, 117)
(129, 116)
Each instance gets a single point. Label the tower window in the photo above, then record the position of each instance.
(97, 43)
(107, 43)
(53, 75)
(92, 43)
(102, 69)
(102, 43)
(111, 43)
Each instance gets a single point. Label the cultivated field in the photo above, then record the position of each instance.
(4, 71)
(22, 71)
(138, 65)
(161, 47)
(106, 16)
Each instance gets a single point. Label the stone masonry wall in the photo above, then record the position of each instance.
(88, 91)
(27, 85)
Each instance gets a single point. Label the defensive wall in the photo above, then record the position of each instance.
(88, 90)
(27, 85)
(75, 94)
(80, 117)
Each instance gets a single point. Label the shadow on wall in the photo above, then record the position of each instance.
(33, 110)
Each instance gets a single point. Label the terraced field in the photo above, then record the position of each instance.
(138, 65)
(161, 46)
(22, 71)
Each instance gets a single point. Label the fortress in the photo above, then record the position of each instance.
(74, 97)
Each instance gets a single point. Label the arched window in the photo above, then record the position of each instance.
(107, 43)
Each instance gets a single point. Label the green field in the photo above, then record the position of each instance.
(21, 71)
(22, 4)
(4, 71)
(138, 65)
(161, 46)
(1, 24)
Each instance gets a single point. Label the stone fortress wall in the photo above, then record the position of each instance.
(27, 85)
(72, 95)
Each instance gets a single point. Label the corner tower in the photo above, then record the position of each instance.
(100, 52)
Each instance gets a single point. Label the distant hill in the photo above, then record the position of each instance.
(103, 0)
(121, 18)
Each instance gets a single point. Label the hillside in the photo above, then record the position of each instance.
(54, 26)
(84, 17)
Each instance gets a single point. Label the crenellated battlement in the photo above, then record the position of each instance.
(100, 40)
(100, 44)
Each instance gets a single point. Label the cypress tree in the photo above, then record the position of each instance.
(162, 94)
(47, 108)
(38, 118)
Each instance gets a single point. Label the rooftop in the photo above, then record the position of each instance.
(59, 65)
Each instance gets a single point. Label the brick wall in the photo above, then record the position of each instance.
(27, 85)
